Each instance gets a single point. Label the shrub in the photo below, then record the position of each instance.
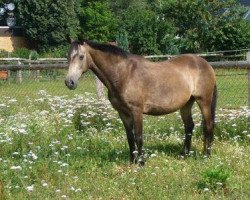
(3, 53)
(56, 52)
(21, 53)
(213, 178)
(33, 55)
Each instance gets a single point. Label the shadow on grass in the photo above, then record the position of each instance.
(175, 151)
(120, 155)
(170, 149)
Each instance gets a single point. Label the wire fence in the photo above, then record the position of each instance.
(22, 79)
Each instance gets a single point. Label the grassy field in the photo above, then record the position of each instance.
(61, 144)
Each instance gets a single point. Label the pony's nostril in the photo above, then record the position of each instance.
(71, 82)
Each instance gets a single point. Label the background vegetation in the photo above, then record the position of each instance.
(157, 26)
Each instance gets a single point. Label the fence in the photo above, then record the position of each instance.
(26, 77)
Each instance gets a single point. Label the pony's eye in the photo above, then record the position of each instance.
(81, 57)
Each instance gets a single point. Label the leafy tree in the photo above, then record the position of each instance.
(97, 21)
(122, 40)
(48, 22)
(208, 25)
(148, 31)
(144, 27)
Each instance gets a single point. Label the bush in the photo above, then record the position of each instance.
(57, 52)
(34, 55)
(213, 179)
(21, 53)
(3, 53)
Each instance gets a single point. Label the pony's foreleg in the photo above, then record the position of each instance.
(138, 126)
(188, 126)
(128, 124)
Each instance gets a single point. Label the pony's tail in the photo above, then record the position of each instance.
(214, 103)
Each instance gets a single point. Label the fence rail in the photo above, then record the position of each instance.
(44, 64)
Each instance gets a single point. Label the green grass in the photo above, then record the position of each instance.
(43, 156)
(232, 88)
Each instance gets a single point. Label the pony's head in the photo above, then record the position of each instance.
(77, 59)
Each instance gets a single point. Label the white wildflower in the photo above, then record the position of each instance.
(153, 155)
(30, 188)
(18, 168)
(78, 190)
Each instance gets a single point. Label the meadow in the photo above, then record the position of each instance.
(62, 144)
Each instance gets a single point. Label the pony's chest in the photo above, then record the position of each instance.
(117, 103)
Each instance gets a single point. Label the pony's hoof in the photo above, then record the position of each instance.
(184, 155)
(141, 162)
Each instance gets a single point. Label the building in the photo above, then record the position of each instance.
(12, 38)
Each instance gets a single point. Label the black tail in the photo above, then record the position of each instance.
(214, 102)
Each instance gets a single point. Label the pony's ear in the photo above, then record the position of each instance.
(80, 37)
(69, 39)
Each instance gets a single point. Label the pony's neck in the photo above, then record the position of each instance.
(107, 67)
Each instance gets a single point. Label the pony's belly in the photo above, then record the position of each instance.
(164, 107)
(151, 109)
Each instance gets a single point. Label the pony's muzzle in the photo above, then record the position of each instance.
(71, 84)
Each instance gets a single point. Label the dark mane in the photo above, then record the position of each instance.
(104, 47)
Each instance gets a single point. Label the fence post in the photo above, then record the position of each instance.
(19, 78)
(8, 76)
(248, 71)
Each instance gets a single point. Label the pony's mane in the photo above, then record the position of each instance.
(103, 47)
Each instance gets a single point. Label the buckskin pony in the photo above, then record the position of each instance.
(137, 86)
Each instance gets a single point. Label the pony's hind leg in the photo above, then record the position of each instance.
(187, 119)
(208, 125)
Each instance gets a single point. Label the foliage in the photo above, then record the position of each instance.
(148, 33)
(55, 52)
(142, 27)
(209, 25)
(21, 53)
(97, 21)
(33, 55)
(3, 53)
(122, 40)
(214, 178)
(48, 22)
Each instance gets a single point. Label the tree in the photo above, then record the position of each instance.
(48, 23)
(122, 40)
(97, 21)
(148, 31)
(209, 25)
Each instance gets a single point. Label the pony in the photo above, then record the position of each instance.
(138, 86)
